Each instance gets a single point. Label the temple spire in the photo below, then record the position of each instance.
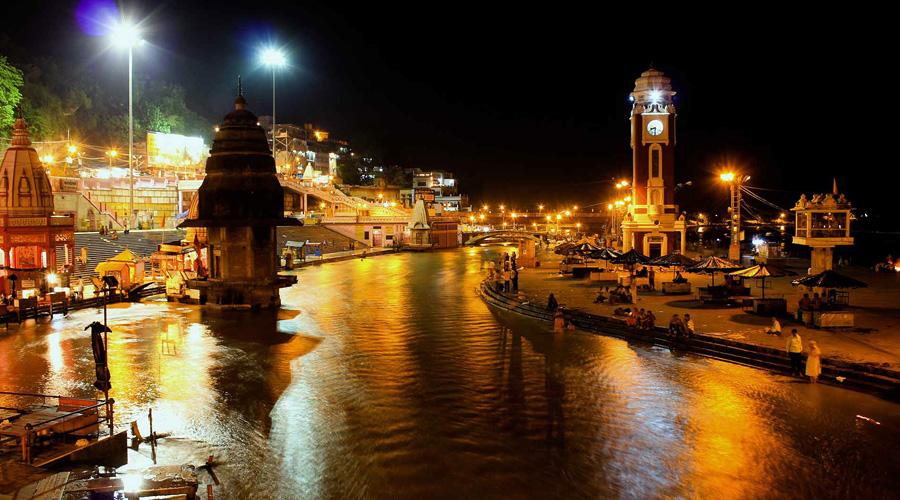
(239, 101)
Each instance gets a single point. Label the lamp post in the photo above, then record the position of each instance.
(127, 34)
(273, 58)
(734, 184)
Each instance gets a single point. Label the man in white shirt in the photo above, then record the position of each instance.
(794, 349)
(775, 328)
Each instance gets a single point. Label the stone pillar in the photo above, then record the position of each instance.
(305, 203)
(626, 239)
(683, 241)
(820, 260)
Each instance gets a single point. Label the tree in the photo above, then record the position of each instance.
(10, 82)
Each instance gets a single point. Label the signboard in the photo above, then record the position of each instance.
(173, 149)
(424, 194)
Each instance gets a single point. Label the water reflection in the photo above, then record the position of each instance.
(389, 378)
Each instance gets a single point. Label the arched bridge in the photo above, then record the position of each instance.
(505, 236)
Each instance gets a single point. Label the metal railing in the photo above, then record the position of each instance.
(30, 438)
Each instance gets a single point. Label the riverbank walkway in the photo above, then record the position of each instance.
(875, 340)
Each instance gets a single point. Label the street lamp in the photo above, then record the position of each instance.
(273, 58)
(734, 184)
(514, 220)
(128, 35)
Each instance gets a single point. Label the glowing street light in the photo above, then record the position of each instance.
(727, 176)
(126, 34)
(274, 58)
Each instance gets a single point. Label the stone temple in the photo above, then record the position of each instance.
(241, 203)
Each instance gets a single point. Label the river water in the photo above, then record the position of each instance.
(389, 378)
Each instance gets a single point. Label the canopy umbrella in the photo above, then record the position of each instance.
(632, 257)
(606, 254)
(583, 249)
(759, 272)
(674, 260)
(713, 265)
(829, 279)
(562, 248)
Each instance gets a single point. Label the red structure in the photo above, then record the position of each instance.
(29, 231)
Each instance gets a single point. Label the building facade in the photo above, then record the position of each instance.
(30, 232)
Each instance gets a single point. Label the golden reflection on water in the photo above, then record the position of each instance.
(389, 378)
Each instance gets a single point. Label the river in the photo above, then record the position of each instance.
(389, 378)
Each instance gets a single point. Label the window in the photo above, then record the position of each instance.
(654, 162)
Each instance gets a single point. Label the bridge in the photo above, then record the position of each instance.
(537, 236)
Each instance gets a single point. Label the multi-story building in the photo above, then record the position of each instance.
(440, 188)
(298, 146)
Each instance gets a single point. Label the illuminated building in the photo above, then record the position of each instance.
(652, 224)
(822, 223)
(29, 230)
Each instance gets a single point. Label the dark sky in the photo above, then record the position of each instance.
(527, 103)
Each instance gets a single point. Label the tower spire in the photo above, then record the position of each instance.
(239, 101)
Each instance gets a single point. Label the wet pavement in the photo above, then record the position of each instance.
(390, 378)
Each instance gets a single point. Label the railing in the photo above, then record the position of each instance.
(29, 439)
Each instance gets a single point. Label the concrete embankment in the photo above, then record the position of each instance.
(880, 381)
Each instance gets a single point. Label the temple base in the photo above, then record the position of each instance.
(242, 294)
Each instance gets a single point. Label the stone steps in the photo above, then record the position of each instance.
(869, 379)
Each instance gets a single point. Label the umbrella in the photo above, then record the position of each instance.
(99, 349)
(563, 248)
(632, 257)
(606, 254)
(583, 249)
(713, 265)
(829, 279)
(759, 272)
(674, 260)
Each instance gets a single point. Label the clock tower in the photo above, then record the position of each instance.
(652, 223)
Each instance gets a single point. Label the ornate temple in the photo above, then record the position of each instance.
(29, 231)
(240, 203)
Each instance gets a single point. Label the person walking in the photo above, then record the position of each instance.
(514, 277)
(651, 278)
(814, 362)
(794, 348)
(506, 277)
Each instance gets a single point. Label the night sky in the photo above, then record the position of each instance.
(528, 103)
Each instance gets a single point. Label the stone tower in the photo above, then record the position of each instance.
(241, 203)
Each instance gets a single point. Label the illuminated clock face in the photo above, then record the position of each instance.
(655, 127)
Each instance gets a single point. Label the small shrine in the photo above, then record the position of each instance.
(240, 203)
(127, 268)
(29, 231)
(419, 229)
(822, 223)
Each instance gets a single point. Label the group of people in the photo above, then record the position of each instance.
(643, 319)
(620, 295)
(681, 328)
(505, 273)
(816, 302)
(794, 348)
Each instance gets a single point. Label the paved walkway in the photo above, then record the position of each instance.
(874, 340)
